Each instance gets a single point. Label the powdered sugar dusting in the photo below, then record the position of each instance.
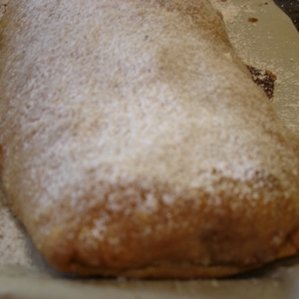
(109, 115)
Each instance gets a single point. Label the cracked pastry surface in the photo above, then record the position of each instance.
(133, 141)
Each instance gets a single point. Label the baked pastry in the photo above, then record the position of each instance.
(135, 143)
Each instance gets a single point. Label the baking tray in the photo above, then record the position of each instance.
(265, 38)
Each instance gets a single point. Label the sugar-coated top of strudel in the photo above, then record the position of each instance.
(140, 104)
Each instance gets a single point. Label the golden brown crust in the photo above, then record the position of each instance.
(188, 235)
(136, 144)
(161, 271)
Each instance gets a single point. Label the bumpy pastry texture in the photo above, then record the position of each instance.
(134, 142)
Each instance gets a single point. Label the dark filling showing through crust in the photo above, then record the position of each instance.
(263, 78)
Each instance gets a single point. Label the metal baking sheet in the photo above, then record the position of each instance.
(270, 42)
